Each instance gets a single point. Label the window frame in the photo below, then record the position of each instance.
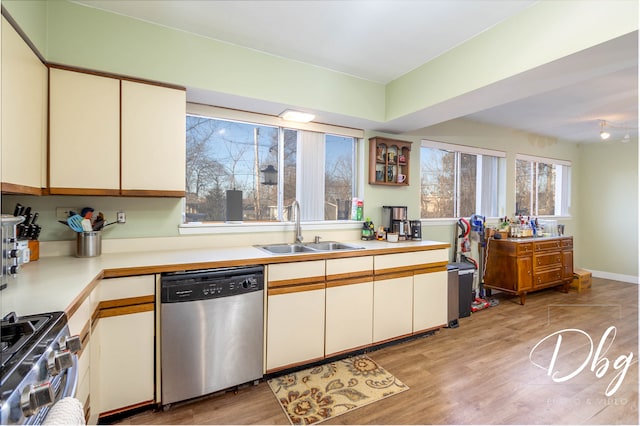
(269, 120)
(562, 184)
(464, 149)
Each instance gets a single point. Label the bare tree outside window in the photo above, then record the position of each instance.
(437, 182)
(224, 155)
(535, 188)
(468, 170)
(227, 155)
(454, 184)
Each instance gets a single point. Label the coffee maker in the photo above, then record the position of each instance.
(394, 219)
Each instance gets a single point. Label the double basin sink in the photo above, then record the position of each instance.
(324, 246)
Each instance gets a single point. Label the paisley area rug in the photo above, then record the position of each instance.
(319, 393)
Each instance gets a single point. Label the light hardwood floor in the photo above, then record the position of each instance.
(481, 372)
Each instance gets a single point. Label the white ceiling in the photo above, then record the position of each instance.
(378, 41)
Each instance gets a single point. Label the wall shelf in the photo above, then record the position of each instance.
(389, 161)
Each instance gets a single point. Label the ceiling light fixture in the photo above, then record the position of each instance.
(603, 133)
(297, 116)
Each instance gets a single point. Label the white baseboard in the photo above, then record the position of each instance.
(613, 276)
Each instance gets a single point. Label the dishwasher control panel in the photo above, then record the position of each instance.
(210, 284)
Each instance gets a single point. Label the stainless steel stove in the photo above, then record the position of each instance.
(38, 366)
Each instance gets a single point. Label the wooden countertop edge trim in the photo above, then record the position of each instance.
(157, 269)
(82, 296)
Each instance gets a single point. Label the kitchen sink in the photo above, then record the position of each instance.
(324, 246)
(286, 248)
(332, 246)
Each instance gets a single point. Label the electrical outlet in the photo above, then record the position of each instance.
(122, 217)
(62, 213)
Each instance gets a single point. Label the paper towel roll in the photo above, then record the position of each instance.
(67, 411)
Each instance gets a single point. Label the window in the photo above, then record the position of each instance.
(225, 155)
(542, 186)
(457, 181)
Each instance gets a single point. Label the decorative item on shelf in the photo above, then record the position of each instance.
(391, 157)
(380, 175)
(402, 159)
(390, 174)
(380, 152)
(401, 178)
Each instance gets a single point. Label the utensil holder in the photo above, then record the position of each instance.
(89, 244)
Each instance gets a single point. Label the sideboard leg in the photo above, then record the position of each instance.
(523, 296)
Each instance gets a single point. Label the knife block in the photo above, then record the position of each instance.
(34, 249)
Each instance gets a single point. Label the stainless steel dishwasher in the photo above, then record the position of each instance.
(212, 328)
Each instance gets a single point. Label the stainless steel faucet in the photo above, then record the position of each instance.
(295, 207)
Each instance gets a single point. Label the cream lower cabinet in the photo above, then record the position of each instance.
(295, 314)
(125, 333)
(410, 293)
(349, 304)
(392, 306)
(80, 324)
(429, 300)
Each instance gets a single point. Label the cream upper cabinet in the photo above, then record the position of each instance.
(153, 138)
(24, 116)
(84, 138)
(110, 136)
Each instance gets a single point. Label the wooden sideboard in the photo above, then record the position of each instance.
(522, 265)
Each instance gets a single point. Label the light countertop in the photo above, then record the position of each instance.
(57, 283)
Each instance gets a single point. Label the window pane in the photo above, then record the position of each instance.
(437, 180)
(226, 155)
(338, 183)
(468, 166)
(524, 188)
(546, 189)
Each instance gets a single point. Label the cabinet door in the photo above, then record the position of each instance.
(126, 360)
(126, 342)
(349, 310)
(84, 138)
(24, 117)
(153, 139)
(429, 300)
(567, 265)
(392, 307)
(525, 273)
(295, 326)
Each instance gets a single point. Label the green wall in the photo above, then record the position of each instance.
(608, 207)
